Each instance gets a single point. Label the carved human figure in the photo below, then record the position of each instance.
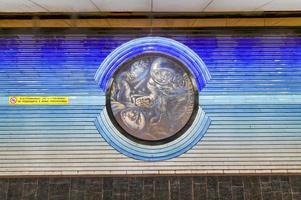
(125, 89)
(152, 97)
(133, 118)
(163, 85)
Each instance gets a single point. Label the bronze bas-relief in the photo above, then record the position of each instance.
(152, 97)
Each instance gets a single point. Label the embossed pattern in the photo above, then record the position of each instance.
(152, 97)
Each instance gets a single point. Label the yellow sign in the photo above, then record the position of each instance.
(38, 100)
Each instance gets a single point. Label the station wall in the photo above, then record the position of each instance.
(253, 100)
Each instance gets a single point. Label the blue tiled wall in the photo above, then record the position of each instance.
(253, 100)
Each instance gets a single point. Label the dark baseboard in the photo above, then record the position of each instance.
(153, 187)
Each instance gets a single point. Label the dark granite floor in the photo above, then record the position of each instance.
(157, 187)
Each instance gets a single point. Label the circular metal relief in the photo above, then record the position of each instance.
(151, 88)
(152, 98)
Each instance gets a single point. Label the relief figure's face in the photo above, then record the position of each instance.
(163, 77)
(162, 71)
(133, 119)
(138, 70)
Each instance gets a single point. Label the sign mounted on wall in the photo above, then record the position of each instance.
(38, 100)
(152, 110)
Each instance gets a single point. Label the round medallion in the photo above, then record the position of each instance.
(150, 87)
(152, 98)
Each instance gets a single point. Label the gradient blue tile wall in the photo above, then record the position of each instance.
(253, 100)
